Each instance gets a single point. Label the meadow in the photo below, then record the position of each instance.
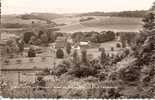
(100, 23)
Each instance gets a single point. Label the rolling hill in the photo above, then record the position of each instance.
(100, 23)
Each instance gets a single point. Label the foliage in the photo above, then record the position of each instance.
(46, 71)
(103, 57)
(40, 82)
(60, 69)
(44, 38)
(94, 36)
(149, 21)
(82, 71)
(153, 7)
(130, 74)
(27, 36)
(118, 45)
(60, 53)
(76, 59)
(103, 37)
(127, 38)
(31, 53)
(84, 59)
(68, 47)
(112, 48)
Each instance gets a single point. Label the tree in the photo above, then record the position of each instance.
(123, 41)
(40, 33)
(51, 36)
(68, 48)
(60, 54)
(149, 20)
(84, 56)
(118, 45)
(77, 36)
(44, 38)
(27, 37)
(75, 57)
(153, 7)
(110, 35)
(31, 53)
(103, 56)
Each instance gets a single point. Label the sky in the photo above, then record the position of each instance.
(72, 6)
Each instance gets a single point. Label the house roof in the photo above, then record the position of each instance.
(60, 45)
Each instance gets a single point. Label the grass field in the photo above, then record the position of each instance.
(14, 19)
(100, 24)
(73, 24)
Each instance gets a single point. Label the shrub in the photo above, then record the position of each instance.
(27, 36)
(46, 71)
(7, 62)
(118, 45)
(130, 74)
(60, 54)
(31, 53)
(82, 71)
(60, 69)
(84, 57)
(68, 48)
(76, 57)
(112, 48)
(40, 82)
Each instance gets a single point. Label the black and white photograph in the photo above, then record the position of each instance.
(77, 49)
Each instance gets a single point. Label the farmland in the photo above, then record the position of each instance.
(70, 24)
(100, 24)
(76, 60)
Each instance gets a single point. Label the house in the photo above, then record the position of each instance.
(60, 42)
(84, 44)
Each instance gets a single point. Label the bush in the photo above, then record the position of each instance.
(60, 69)
(112, 48)
(60, 54)
(40, 82)
(118, 45)
(84, 58)
(27, 36)
(46, 71)
(130, 74)
(82, 71)
(6, 62)
(31, 53)
(68, 48)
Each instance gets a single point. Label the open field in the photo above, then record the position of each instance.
(100, 24)
(14, 19)
(72, 24)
